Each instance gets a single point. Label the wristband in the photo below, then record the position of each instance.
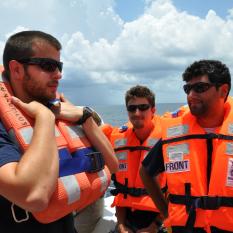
(87, 112)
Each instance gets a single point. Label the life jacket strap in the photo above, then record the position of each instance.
(124, 189)
(135, 192)
(202, 202)
(198, 136)
(97, 161)
(77, 162)
(133, 148)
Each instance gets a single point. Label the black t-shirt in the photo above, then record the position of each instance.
(9, 152)
(154, 163)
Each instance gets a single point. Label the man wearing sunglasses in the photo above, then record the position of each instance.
(195, 151)
(32, 68)
(135, 210)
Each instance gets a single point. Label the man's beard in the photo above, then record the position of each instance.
(34, 91)
(137, 123)
(199, 109)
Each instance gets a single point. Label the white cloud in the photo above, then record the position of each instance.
(95, 19)
(154, 48)
(13, 4)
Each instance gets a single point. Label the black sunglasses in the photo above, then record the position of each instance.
(46, 64)
(141, 107)
(199, 87)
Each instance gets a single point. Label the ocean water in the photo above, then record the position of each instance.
(116, 115)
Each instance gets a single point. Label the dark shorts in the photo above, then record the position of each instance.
(139, 219)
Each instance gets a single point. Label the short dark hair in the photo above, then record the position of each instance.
(217, 72)
(141, 92)
(20, 45)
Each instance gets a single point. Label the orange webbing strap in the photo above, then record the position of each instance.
(12, 118)
(74, 135)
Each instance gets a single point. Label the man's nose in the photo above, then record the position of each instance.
(191, 93)
(57, 74)
(137, 111)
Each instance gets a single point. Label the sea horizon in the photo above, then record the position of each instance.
(116, 114)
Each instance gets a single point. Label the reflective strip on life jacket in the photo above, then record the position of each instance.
(104, 180)
(72, 188)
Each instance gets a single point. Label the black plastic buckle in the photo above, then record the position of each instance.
(208, 203)
(97, 161)
(114, 192)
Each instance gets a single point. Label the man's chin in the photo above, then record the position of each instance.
(138, 126)
(196, 111)
(52, 96)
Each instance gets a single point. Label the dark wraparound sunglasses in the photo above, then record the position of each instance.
(140, 107)
(199, 87)
(46, 64)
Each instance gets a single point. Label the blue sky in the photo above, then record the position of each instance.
(111, 45)
(131, 9)
(201, 8)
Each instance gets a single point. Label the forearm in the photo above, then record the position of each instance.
(34, 177)
(154, 190)
(72, 113)
(101, 143)
(41, 158)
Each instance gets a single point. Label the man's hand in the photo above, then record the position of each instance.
(32, 109)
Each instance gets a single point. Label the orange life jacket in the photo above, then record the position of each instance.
(130, 191)
(199, 172)
(82, 175)
(179, 112)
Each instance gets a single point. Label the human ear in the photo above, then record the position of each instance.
(224, 89)
(16, 70)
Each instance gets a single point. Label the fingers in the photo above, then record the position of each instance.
(23, 106)
(17, 102)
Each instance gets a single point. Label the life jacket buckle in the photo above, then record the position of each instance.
(15, 217)
(97, 161)
(208, 203)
